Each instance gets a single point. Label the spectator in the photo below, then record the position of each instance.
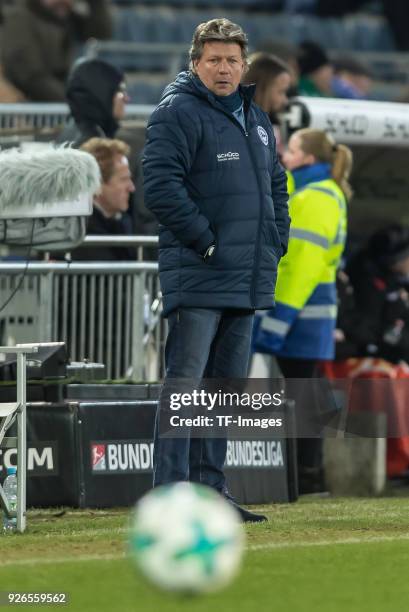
(299, 330)
(380, 278)
(315, 69)
(38, 43)
(288, 54)
(96, 95)
(111, 202)
(351, 334)
(8, 93)
(272, 79)
(352, 79)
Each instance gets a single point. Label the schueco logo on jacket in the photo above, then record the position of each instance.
(263, 135)
(222, 157)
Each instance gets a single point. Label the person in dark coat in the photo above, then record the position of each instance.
(316, 70)
(39, 38)
(379, 275)
(96, 94)
(111, 203)
(212, 178)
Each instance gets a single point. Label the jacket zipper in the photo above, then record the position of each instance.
(257, 250)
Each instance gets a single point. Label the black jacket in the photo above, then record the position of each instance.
(98, 224)
(382, 308)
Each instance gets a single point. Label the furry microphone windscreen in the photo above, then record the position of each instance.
(49, 176)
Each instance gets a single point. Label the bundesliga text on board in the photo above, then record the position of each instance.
(136, 456)
(254, 454)
(121, 456)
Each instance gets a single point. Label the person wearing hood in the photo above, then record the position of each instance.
(39, 39)
(379, 275)
(213, 180)
(316, 71)
(96, 94)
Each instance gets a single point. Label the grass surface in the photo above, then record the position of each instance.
(322, 555)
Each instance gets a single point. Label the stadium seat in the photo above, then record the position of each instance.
(160, 24)
(145, 91)
(369, 34)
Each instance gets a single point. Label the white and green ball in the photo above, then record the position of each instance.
(185, 537)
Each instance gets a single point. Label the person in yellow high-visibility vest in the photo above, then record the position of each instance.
(299, 329)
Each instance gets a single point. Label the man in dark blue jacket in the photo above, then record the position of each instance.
(212, 178)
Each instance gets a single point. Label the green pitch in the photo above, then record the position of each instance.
(319, 555)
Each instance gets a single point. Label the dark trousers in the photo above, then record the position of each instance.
(309, 450)
(202, 343)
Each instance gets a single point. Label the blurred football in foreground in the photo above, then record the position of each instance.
(185, 537)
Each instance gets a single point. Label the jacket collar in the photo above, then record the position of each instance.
(187, 82)
(311, 174)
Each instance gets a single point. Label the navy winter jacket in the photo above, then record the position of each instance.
(209, 181)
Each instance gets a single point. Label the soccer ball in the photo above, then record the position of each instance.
(185, 537)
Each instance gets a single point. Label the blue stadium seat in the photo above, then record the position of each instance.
(145, 92)
(369, 34)
(166, 25)
(329, 33)
(134, 26)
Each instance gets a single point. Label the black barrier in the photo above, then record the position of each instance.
(99, 454)
(117, 451)
(53, 451)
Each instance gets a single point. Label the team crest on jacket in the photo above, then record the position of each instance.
(263, 135)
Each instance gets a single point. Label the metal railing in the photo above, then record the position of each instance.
(105, 312)
(49, 118)
(139, 242)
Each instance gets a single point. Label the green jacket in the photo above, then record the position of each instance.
(307, 88)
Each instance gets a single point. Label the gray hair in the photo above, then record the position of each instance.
(217, 30)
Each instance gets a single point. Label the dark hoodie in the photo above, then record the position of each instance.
(91, 87)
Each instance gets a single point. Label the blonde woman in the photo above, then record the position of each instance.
(299, 330)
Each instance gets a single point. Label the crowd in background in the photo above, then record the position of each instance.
(39, 40)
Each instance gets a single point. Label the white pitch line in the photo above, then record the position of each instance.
(251, 547)
(88, 533)
(45, 561)
(306, 543)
